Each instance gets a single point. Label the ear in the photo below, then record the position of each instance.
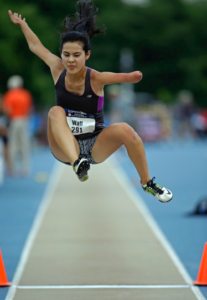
(88, 54)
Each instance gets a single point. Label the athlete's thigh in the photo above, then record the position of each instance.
(107, 142)
(57, 152)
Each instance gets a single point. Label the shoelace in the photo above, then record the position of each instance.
(154, 187)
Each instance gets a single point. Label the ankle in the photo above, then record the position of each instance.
(144, 181)
(75, 163)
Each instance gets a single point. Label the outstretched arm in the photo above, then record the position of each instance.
(105, 78)
(34, 43)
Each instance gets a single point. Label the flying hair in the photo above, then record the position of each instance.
(84, 20)
(81, 26)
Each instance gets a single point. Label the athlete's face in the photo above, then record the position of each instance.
(74, 57)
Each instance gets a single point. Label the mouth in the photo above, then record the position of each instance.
(71, 67)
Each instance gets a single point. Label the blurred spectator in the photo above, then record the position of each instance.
(121, 104)
(148, 125)
(164, 115)
(199, 122)
(184, 113)
(153, 121)
(18, 104)
(115, 105)
(4, 123)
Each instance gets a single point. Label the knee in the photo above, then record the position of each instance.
(128, 134)
(56, 112)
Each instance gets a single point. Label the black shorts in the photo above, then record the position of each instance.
(4, 139)
(85, 150)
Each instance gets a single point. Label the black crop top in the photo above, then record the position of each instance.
(84, 113)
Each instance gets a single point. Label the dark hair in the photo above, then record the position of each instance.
(81, 26)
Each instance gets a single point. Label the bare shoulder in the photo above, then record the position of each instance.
(94, 74)
(56, 67)
(96, 84)
(101, 78)
(95, 78)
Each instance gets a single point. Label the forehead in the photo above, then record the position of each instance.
(72, 47)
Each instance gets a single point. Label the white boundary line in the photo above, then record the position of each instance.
(70, 287)
(139, 203)
(51, 186)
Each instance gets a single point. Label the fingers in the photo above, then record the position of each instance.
(10, 13)
(16, 16)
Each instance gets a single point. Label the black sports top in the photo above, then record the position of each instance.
(84, 113)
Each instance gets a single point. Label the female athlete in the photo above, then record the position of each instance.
(76, 131)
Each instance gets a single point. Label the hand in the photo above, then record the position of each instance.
(16, 19)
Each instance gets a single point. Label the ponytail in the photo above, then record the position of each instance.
(81, 26)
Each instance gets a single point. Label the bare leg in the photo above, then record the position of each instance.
(112, 138)
(62, 142)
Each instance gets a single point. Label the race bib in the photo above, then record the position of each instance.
(80, 122)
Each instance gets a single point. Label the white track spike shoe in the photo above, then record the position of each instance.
(160, 192)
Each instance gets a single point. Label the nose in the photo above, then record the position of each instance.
(70, 59)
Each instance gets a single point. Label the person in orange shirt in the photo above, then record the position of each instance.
(18, 103)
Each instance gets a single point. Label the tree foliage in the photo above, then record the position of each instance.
(168, 39)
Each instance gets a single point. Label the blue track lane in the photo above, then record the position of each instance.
(19, 201)
(182, 168)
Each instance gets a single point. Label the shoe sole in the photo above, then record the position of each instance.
(157, 198)
(82, 171)
(165, 201)
(84, 178)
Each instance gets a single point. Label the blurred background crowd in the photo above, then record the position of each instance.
(165, 40)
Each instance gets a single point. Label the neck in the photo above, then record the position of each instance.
(72, 78)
